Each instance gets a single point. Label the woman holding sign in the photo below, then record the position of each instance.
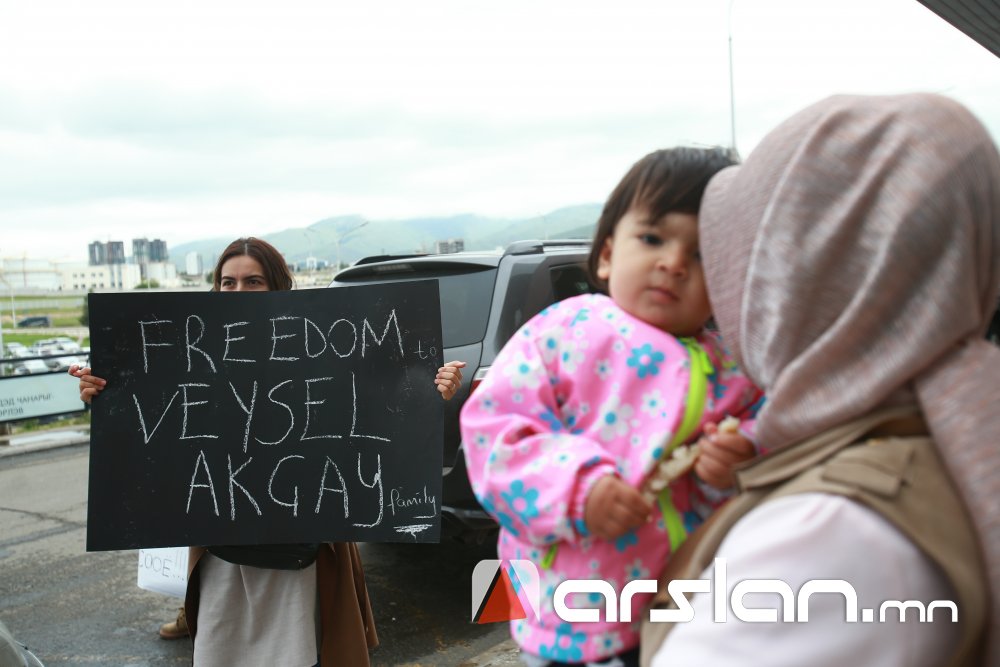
(273, 604)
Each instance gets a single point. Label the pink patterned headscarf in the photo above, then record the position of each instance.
(853, 262)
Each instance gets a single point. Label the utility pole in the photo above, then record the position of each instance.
(341, 237)
(13, 315)
(5, 428)
(732, 96)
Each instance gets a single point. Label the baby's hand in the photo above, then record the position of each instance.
(721, 449)
(90, 385)
(613, 508)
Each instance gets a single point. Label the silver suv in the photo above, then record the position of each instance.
(488, 296)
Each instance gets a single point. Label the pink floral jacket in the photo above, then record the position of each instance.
(585, 390)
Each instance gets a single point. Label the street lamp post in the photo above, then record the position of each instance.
(3, 350)
(732, 96)
(341, 237)
(10, 290)
(13, 312)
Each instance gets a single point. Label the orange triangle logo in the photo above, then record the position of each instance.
(500, 602)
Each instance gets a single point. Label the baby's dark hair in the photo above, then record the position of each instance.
(665, 181)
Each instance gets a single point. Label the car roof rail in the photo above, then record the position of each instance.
(538, 246)
(371, 259)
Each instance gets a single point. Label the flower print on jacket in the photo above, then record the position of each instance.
(567, 646)
(524, 372)
(570, 355)
(554, 423)
(522, 501)
(603, 369)
(616, 419)
(549, 343)
(646, 360)
(652, 402)
(609, 643)
(553, 429)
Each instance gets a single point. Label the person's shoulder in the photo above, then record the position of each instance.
(573, 310)
(590, 300)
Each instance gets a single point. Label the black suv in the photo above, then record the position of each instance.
(36, 321)
(487, 296)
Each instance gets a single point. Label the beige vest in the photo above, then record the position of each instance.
(884, 461)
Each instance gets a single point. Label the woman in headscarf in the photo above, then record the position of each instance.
(853, 265)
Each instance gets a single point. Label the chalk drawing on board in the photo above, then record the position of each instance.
(413, 529)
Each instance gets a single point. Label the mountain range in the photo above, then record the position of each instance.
(359, 237)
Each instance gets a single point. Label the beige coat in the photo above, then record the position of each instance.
(348, 626)
(885, 462)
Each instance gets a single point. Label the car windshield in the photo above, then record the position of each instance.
(466, 296)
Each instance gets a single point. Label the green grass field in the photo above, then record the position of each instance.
(27, 339)
(30, 425)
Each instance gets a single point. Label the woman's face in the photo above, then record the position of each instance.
(243, 273)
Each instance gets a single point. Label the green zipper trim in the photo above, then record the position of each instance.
(701, 368)
(549, 557)
(694, 406)
(676, 532)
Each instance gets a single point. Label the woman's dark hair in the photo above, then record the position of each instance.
(276, 271)
(665, 181)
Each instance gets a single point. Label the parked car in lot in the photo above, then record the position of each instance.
(65, 344)
(43, 348)
(15, 350)
(35, 321)
(59, 353)
(486, 296)
(64, 362)
(29, 367)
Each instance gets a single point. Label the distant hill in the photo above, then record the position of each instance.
(562, 223)
(360, 238)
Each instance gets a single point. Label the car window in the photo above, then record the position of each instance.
(465, 306)
(569, 280)
(465, 300)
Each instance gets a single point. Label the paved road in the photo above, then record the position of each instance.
(79, 608)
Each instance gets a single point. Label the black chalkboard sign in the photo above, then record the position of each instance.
(266, 418)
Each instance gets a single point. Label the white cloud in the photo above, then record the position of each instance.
(201, 118)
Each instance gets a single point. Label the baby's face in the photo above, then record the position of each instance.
(653, 270)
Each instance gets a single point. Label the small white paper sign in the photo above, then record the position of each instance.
(164, 570)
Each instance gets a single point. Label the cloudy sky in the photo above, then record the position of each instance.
(196, 118)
